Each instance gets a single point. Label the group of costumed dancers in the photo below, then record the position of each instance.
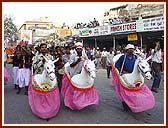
(78, 90)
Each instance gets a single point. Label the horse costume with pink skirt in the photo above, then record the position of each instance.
(131, 88)
(79, 91)
(43, 93)
(6, 76)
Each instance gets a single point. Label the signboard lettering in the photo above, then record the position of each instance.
(123, 27)
(152, 24)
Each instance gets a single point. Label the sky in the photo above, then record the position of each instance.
(68, 12)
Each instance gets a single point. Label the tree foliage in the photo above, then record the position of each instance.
(10, 29)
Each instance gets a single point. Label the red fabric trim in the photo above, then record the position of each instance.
(118, 80)
(42, 92)
(39, 91)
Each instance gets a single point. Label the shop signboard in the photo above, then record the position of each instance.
(104, 30)
(64, 32)
(26, 35)
(150, 24)
(84, 32)
(37, 38)
(75, 32)
(94, 31)
(127, 27)
(132, 37)
(43, 33)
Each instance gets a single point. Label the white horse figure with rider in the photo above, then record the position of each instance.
(130, 87)
(86, 76)
(79, 90)
(43, 93)
(48, 76)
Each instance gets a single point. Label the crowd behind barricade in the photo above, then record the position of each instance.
(115, 21)
(91, 24)
(24, 55)
(95, 23)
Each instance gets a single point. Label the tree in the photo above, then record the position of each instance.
(10, 29)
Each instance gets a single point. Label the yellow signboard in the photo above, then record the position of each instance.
(132, 37)
(64, 32)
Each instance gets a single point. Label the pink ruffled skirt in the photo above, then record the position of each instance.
(77, 98)
(139, 100)
(44, 104)
(6, 76)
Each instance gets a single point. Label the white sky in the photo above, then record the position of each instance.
(68, 12)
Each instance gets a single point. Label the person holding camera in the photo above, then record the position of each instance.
(156, 66)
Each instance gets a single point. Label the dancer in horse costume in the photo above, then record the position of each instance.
(129, 82)
(6, 76)
(78, 80)
(43, 93)
(6, 73)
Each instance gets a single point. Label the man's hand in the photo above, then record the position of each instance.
(79, 59)
(43, 60)
(157, 46)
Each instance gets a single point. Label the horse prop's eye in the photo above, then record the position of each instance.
(143, 67)
(47, 67)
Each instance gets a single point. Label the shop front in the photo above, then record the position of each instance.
(142, 33)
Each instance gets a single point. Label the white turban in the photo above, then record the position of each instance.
(79, 45)
(130, 46)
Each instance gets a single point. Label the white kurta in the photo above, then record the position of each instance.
(15, 75)
(77, 68)
(24, 77)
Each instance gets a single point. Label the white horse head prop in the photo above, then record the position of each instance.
(49, 68)
(89, 66)
(47, 80)
(135, 80)
(143, 65)
(86, 78)
(144, 68)
(139, 53)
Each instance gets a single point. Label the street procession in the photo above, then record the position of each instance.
(107, 69)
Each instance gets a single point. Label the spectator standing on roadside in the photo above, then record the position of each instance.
(156, 66)
(109, 61)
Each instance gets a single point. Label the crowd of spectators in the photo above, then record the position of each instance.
(91, 24)
(114, 21)
(95, 23)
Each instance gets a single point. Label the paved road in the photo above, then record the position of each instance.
(109, 111)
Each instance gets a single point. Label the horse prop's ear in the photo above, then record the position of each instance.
(148, 58)
(56, 60)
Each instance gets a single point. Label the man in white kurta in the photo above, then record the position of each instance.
(77, 59)
(109, 61)
(104, 58)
